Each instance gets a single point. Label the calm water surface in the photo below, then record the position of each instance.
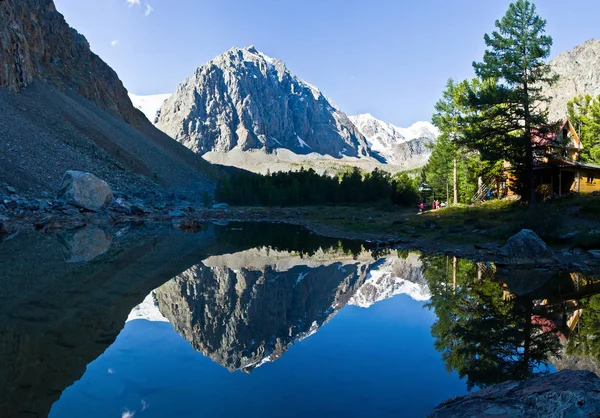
(256, 320)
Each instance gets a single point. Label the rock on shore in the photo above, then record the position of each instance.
(526, 248)
(568, 393)
(84, 190)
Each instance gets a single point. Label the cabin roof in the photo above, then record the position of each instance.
(588, 165)
(551, 138)
(558, 162)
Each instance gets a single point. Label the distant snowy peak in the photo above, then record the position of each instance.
(373, 128)
(395, 276)
(420, 130)
(149, 105)
(380, 134)
(395, 145)
(147, 310)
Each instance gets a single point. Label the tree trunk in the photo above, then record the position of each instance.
(530, 175)
(447, 193)
(455, 183)
(527, 339)
(529, 154)
(454, 263)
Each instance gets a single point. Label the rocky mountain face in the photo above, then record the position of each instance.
(579, 73)
(37, 43)
(406, 147)
(246, 100)
(63, 108)
(246, 309)
(243, 315)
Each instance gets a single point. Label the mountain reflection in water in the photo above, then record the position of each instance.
(247, 308)
(243, 295)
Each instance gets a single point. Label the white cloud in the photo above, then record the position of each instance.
(114, 43)
(149, 9)
(127, 413)
(133, 2)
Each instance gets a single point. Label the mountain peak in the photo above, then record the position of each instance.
(393, 145)
(245, 100)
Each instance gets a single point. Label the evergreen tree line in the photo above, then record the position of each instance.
(307, 187)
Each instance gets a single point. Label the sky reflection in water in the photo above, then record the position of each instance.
(271, 321)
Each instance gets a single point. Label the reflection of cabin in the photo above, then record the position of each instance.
(557, 167)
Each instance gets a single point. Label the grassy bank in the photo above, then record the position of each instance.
(493, 221)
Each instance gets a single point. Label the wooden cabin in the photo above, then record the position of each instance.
(557, 166)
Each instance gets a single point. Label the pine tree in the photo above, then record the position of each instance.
(515, 57)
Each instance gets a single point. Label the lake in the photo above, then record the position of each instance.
(267, 320)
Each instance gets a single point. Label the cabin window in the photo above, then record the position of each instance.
(590, 178)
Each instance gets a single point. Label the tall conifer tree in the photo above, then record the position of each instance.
(511, 111)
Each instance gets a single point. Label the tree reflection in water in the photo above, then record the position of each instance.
(484, 332)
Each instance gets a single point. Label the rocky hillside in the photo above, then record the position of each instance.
(406, 147)
(579, 73)
(37, 43)
(246, 100)
(63, 108)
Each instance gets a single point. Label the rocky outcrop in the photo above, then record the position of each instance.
(579, 73)
(526, 248)
(86, 191)
(246, 100)
(37, 43)
(405, 147)
(567, 393)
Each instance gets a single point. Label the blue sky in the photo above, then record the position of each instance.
(390, 58)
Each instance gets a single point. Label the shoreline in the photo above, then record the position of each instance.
(466, 243)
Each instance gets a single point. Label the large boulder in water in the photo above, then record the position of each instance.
(526, 248)
(84, 190)
(569, 393)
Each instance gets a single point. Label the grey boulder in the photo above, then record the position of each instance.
(84, 190)
(568, 393)
(526, 248)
